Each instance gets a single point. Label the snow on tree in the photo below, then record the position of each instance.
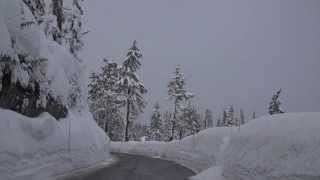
(224, 121)
(177, 93)
(105, 100)
(156, 127)
(208, 121)
(189, 121)
(33, 66)
(137, 131)
(61, 21)
(231, 119)
(131, 86)
(72, 27)
(167, 125)
(274, 106)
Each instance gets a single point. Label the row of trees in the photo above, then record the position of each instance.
(116, 94)
(189, 121)
(116, 99)
(186, 120)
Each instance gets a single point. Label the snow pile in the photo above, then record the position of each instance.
(282, 147)
(44, 147)
(40, 148)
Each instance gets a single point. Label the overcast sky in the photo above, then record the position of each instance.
(233, 52)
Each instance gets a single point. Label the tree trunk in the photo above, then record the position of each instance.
(174, 121)
(127, 121)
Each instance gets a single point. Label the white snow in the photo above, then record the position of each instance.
(43, 148)
(282, 147)
(40, 148)
(57, 65)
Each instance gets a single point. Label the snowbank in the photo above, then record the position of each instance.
(40, 148)
(282, 147)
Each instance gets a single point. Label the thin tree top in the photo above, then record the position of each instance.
(176, 87)
(131, 62)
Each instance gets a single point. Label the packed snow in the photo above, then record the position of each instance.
(40, 148)
(44, 147)
(282, 147)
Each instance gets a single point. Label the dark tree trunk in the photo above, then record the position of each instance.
(58, 12)
(126, 136)
(174, 121)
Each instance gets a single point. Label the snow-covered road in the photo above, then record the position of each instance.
(133, 167)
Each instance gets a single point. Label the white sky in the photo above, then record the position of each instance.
(232, 51)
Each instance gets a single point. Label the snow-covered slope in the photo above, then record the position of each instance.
(39, 148)
(43, 147)
(282, 147)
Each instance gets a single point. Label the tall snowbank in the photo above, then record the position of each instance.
(41, 148)
(281, 147)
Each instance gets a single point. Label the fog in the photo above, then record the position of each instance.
(231, 52)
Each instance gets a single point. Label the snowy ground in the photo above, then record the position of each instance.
(40, 148)
(282, 147)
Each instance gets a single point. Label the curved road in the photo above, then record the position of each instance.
(132, 167)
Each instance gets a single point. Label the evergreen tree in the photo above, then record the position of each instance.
(177, 93)
(219, 122)
(72, 27)
(274, 107)
(231, 119)
(208, 119)
(61, 21)
(242, 118)
(137, 131)
(167, 125)
(131, 86)
(253, 115)
(155, 130)
(224, 118)
(105, 101)
(189, 121)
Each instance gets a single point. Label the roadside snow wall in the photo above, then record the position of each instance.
(279, 147)
(42, 148)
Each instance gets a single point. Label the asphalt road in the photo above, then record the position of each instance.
(132, 167)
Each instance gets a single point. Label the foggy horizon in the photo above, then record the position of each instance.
(231, 52)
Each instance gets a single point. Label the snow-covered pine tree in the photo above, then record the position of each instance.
(105, 102)
(177, 93)
(208, 121)
(131, 86)
(274, 106)
(37, 8)
(189, 121)
(138, 132)
(231, 120)
(242, 118)
(61, 21)
(155, 129)
(224, 121)
(167, 125)
(72, 27)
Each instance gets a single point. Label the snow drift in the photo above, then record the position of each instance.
(282, 147)
(41, 148)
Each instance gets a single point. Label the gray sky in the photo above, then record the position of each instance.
(232, 51)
